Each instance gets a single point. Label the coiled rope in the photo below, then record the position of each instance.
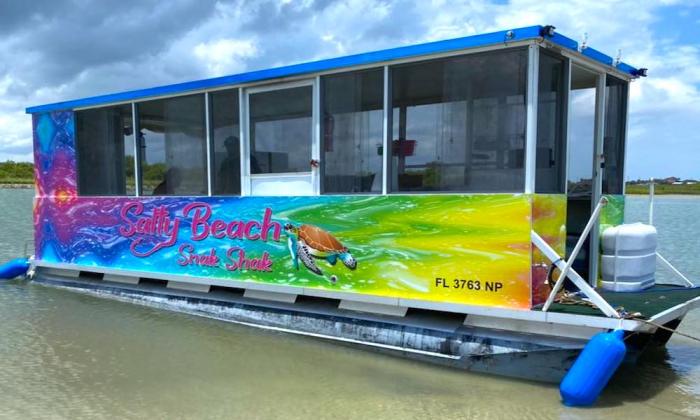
(567, 298)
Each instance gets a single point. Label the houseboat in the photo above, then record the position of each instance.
(442, 201)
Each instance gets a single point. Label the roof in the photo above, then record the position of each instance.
(368, 58)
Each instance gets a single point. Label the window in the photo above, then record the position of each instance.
(614, 141)
(226, 145)
(105, 151)
(551, 125)
(281, 131)
(459, 123)
(173, 146)
(581, 150)
(352, 128)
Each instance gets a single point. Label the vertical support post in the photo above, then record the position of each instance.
(624, 138)
(316, 135)
(567, 122)
(651, 202)
(207, 125)
(592, 222)
(533, 66)
(386, 131)
(597, 185)
(403, 115)
(243, 137)
(137, 148)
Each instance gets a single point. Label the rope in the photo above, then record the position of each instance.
(567, 298)
(663, 327)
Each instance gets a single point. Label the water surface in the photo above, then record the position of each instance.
(69, 355)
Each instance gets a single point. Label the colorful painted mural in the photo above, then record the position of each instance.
(460, 249)
(54, 154)
(549, 221)
(472, 249)
(613, 213)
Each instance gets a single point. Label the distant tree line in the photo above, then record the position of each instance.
(16, 172)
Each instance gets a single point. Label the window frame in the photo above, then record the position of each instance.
(138, 141)
(530, 74)
(322, 137)
(534, 46)
(78, 157)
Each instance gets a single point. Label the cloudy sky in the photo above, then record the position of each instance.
(56, 50)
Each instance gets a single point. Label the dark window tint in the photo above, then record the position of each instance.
(226, 148)
(614, 141)
(551, 127)
(459, 123)
(173, 146)
(352, 132)
(280, 131)
(105, 148)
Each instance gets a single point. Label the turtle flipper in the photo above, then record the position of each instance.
(349, 261)
(306, 258)
(292, 245)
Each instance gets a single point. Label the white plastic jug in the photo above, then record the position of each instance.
(629, 257)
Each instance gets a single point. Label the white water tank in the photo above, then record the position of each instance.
(629, 257)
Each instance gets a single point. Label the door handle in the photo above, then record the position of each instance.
(314, 163)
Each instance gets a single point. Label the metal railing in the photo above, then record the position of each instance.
(566, 266)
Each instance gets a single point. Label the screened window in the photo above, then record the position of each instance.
(226, 145)
(105, 150)
(581, 150)
(614, 141)
(551, 125)
(459, 123)
(173, 146)
(352, 132)
(281, 131)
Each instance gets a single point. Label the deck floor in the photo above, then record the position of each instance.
(649, 302)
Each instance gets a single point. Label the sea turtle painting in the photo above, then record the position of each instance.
(308, 242)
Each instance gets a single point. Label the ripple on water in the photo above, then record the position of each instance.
(67, 355)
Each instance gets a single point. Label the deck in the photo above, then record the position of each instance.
(649, 302)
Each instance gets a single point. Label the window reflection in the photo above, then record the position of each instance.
(105, 151)
(551, 125)
(352, 132)
(226, 151)
(582, 138)
(280, 131)
(614, 141)
(459, 123)
(173, 146)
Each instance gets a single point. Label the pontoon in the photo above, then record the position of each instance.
(418, 200)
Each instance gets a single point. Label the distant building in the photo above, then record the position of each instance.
(669, 180)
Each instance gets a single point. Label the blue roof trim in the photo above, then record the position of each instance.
(597, 56)
(626, 68)
(520, 34)
(563, 41)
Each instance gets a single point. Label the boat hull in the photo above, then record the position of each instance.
(440, 338)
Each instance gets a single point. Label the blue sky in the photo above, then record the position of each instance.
(63, 49)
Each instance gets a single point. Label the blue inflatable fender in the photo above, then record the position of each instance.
(14, 268)
(593, 368)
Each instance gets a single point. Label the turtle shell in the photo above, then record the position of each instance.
(319, 239)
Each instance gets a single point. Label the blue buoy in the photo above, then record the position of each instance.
(593, 369)
(14, 268)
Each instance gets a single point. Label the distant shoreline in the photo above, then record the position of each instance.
(638, 190)
(16, 186)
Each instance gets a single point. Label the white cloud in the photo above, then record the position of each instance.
(232, 37)
(224, 56)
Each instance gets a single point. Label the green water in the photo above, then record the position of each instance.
(67, 355)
